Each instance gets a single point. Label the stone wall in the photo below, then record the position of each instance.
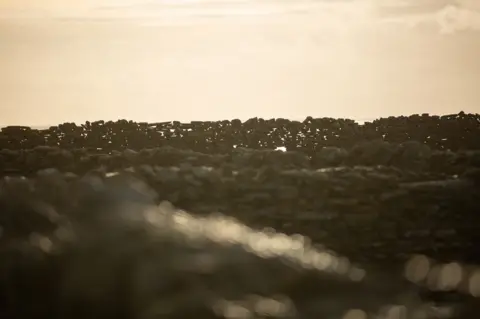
(453, 132)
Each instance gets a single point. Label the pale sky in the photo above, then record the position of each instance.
(185, 60)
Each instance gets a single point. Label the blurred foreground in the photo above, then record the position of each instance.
(96, 247)
(353, 221)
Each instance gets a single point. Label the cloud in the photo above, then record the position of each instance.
(448, 19)
(340, 15)
(452, 19)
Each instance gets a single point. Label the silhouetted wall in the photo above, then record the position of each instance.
(453, 132)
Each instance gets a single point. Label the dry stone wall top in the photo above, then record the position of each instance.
(451, 132)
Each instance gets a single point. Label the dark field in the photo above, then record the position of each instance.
(346, 221)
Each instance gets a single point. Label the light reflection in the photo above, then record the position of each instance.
(357, 274)
(268, 244)
(254, 306)
(233, 311)
(474, 284)
(42, 242)
(396, 312)
(417, 269)
(355, 314)
(453, 276)
(450, 276)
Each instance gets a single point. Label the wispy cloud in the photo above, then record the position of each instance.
(445, 16)
(447, 20)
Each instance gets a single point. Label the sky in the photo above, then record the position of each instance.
(72, 61)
